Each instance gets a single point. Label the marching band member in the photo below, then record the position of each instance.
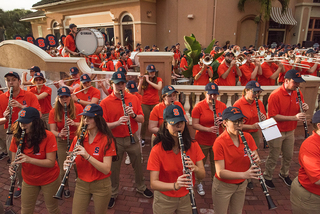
(201, 72)
(169, 97)
(20, 100)
(113, 113)
(148, 87)
(107, 65)
(166, 170)
(247, 105)
(283, 106)
(89, 96)
(40, 169)
(122, 61)
(129, 61)
(305, 189)
(74, 73)
(249, 69)
(138, 48)
(96, 60)
(207, 126)
(93, 161)
(32, 71)
(57, 126)
(270, 72)
(43, 93)
(228, 70)
(314, 66)
(69, 42)
(232, 164)
(184, 62)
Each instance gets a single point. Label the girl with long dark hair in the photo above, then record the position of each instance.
(40, 169)
(165, 165)
(94, 157)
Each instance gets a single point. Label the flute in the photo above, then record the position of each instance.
(187, 171)
(9, 131)
(66, 124)
(9, 201)
(125, 114)
(59, 193)
(306, 132)
(271, 205)
(265, 143)
(215, 115)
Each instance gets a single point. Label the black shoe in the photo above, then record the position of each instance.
(17, 193)
(112, 202)
(147, 193)
(3, 155)
(66, 193)
(250, 185)
(286, 180)
(269, 184)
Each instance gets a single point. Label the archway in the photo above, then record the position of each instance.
(127, 31)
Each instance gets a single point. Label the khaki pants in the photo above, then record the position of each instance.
(285, 145)
(207, 150)
(62, 155)
(29, 195)
(3, 145)
(256, 138)
(226, 195)
(8, 142)
(166, 204)
(146, 111)
(45, 118)
(133, 150)
(303, 201)
(100, 190)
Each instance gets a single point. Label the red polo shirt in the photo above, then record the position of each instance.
(46, 102)
(24, 97)
(246, 71)
(91, 93)
(113, 110)
(70, 43)
(204, 78)
(231, 78)
(287, 67)
(280, 102)
(267, 71)
(150, 94)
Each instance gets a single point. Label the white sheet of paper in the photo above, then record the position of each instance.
(270, 129)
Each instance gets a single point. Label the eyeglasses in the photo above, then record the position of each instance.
(237, 122)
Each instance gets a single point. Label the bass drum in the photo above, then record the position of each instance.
(89, 41)
(134, 57)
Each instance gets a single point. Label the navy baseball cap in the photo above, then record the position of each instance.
(254, 85)
(316, 117)
(118, 77)
(310, 51)
(28, 114)
(35, 68)
(12, 73)
(72, 26)
(92, 110)
(74, 70)
(168, 89)
(228, 53)
(151, 68)
(85, 78)
(212, 88)
(38, 75)
(132, 86)
(121, 69)
(173, 114)
(64, 91)
(232, 113)
(295, 75)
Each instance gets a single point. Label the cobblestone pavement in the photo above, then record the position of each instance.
(131, 202)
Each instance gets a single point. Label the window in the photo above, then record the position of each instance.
(127, 18)
(275, 25)
(316, 1)
(314, 29)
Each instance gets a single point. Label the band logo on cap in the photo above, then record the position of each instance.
(22, 113)
(235, 111)
(88, 107)
(298, 74)
(11, 72)
(151, 67)
(132, 85)
(63, 89)
(85, 77)
(119, 75)
(176, 112)
(169, 87)
(72, 70)
(213, 87)
(257, 84)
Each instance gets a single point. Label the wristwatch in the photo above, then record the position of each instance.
(135, 115)
(78, 101)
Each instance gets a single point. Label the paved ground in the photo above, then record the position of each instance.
(131, 202)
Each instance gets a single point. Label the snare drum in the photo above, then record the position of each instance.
(89, 41)
(134, 57)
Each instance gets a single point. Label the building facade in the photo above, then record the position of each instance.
(165, 22)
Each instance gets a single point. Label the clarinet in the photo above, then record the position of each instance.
(271, 205)
(59, 193)
(189, 172)
(306, 132)
(9, 131)
(125, 114)
(9, 201)
(215, 115)
(66, 125)
(265, 143)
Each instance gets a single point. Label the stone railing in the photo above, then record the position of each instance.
(228, 95)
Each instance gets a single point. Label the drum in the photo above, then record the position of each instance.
(134, 57)
(89, 41)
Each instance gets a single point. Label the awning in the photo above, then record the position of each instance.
(286, 18)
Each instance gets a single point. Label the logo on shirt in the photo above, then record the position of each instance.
(219, 114)
(130, 104)
(245, 152)
(297, 101)
(96, 150)
(38, 153)
(24, 102)
(89, 98)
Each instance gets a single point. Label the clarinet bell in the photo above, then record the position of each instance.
(9, 201)
(132, 140)
(59, 193)
(271, 204)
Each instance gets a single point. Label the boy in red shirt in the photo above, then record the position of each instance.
(69, 42)
(250, 69)
(201, 72)
(107, 65)
(228, 71)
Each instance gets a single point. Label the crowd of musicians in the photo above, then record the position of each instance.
(93, 129)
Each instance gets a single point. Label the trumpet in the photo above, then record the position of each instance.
(236, 50)
(208, 59)
(9, 131)
(241, 59)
